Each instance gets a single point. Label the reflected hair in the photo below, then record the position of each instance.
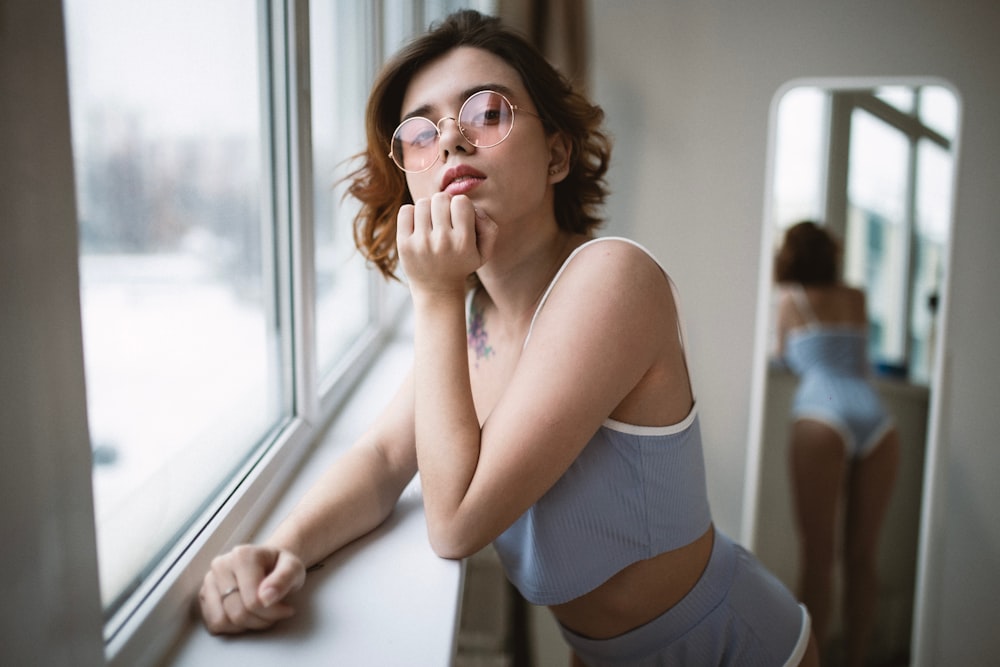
(380, 186)
(808, 255)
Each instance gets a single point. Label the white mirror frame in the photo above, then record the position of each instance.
(931, 516)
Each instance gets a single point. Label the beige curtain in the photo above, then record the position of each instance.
(558, 28)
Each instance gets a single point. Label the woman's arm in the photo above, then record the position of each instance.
(606, 344)
(437, 259)
(606, 322)
(358, 491)
(783, 320)
(245, 588)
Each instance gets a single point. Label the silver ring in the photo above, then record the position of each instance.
(234, 589)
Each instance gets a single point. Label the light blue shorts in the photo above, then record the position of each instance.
(737, 614)
(848, 405)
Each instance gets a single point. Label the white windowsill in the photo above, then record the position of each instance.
(386, 599)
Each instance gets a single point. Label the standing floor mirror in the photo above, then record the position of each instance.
(873, 160)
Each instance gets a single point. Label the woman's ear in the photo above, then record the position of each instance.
(560, 151)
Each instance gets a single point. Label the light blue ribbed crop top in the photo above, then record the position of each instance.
(828, 350)
(634, 492)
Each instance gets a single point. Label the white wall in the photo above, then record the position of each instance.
(687, 88)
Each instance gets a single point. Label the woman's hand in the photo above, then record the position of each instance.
(442, 240)
(246, 588)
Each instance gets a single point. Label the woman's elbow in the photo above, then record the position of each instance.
(453, 544)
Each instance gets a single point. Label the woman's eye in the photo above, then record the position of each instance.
(423, 139)
(485, 118)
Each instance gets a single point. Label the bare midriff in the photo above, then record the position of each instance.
(637, 594)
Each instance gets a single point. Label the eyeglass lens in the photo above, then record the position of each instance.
(485, 119)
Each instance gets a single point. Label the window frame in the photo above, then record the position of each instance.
(842, 104)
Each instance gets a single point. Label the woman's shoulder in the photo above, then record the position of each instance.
(847, 296)
(838, 302)
(620, 256)
(837, 292)
(614, 274)
(857, 298)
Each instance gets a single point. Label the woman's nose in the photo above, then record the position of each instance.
(452, 139)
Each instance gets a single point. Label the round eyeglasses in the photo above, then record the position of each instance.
(485, 120)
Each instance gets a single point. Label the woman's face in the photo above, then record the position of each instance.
(507, 180)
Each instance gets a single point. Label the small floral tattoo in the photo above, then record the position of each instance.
(477, 335)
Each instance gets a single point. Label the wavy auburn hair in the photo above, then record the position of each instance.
(380, 186)
(809, 255)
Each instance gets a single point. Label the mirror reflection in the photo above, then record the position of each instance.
(873, 166)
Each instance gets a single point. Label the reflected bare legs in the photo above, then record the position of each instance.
(822, 478)
(818, 463)
(869, 491)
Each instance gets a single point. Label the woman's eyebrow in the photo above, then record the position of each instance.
(422, 110)
(497, 87)
(425, 109)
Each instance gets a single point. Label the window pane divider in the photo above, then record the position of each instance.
(298, 121)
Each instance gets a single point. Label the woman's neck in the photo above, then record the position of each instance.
(521, 269)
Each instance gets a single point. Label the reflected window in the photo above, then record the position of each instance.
(800, 155)
(932, 215)
(876, 242)
(901, 97)
(877, 166)
(939, 111)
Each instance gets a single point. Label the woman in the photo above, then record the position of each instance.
(844, 448)
(540, 415)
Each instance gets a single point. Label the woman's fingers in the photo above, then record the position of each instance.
(210, 603)
(242, 617)
(442, 239)
(463, 222)
(422, 217)
(245, 589)
(286, 577)
(404, 222)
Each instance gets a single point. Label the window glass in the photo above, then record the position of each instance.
(800, 156)
(933, 212)
(901, 97)
(877, 230)
(341, 73)
(182, 333)
(939, 110)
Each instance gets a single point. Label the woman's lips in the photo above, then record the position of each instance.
(463, 185)
(461, 179)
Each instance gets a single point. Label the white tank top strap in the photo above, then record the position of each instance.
(673, 288)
